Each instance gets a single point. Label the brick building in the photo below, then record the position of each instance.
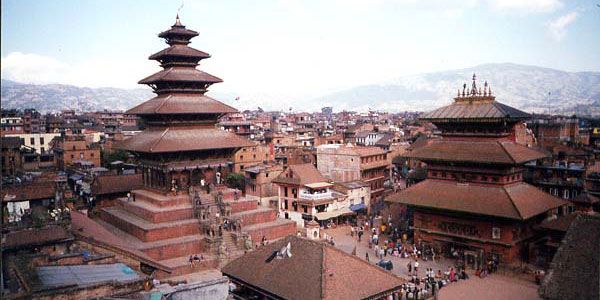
(250, 156)
(69, 150)
(259, 183)
(304, 195)
(474, 203)
(344, 163)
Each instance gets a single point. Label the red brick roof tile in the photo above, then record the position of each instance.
(519, 201)
(315, 271)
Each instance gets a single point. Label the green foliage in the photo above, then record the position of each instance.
(114, 156)
(236, 181)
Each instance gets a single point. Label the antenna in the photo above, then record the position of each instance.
(180, 7)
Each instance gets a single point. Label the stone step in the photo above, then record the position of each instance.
(160, 199)
(157, 214)
(243, 204)
(175, 247)
(181, 265)
(255, 216)
(271, 230)
(148, 231)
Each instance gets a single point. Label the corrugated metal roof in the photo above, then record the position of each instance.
(85, 274)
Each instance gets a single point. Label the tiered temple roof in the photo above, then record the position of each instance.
(477, 139)
(181, 117)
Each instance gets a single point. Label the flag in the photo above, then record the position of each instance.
(237, 98)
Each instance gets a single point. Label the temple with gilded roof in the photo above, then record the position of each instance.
(474, 202)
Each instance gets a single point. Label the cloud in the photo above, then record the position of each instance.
(526, 5)
(558, 27)
(97, 72)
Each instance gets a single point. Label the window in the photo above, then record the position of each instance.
(285, 191)
(32, 141)
(81, 155)
(241, 167)
(362, 200)
(41, 140)
(91, 154)
(495, 233)
(241, 157)
(42, 149)
(566, 194)
(72, 156)
(267, 174)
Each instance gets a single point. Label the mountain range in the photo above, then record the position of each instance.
(529, 88)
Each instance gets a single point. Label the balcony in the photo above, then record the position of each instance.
(374, 164)
(316, 196)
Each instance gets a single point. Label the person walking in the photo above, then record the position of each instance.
(409, 266)
(367, 256)
(416, 267)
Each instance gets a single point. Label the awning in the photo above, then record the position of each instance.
(332, 214)
(358, 207)
(76, 177)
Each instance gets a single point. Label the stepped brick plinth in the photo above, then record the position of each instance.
(175, 247)
(255, 216)
(147, 231)
(272, 230)
(154, 214)
(242, 205)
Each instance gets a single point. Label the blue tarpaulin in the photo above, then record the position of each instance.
(358, 207)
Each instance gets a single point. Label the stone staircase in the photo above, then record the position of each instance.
(164, 227)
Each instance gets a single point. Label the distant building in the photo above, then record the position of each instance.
(41, 142)
(304, 195)
(328, 110)
(69, 150)
(344, 163)
(250, 156)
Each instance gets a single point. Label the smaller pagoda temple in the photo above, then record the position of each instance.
(474, 203)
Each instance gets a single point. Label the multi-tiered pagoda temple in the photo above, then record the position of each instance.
(174, 216)
(474, 202)
(181, 145)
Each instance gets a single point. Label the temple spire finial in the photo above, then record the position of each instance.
(177, 21)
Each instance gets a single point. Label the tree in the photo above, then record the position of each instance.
(236, 181)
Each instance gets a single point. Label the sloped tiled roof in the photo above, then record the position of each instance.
(314, 271)
(180, 74)
(303, 174)
(476, 110)
(575, 269)
(110, 184)
(35, 237)
(180, 50)
(519, 201)
(189, 138)
(29, 191)
(481, 152)
(181, 104)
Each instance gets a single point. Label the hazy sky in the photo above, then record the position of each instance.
(294, 48)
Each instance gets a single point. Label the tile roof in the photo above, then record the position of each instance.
(35, 237)
(561, 223)
(180, 50)
(180, 74)
(480, 152)
(519, 201)
(29, 191)
(575, 270)
(11, 142)
(110, 184)
(476, 110)
(314, 271)
(181, 104)
(303, 174)
(586, 198)
(173, 139)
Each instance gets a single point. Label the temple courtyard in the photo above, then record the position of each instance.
(495, 286)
